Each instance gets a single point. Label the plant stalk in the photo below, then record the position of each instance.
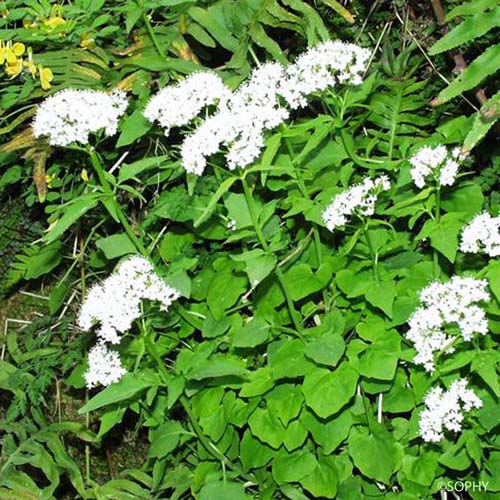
(94, 159)
(373, 255)
(435, 255)
(265, 246)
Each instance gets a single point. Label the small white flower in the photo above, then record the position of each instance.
(357, 200)
(105, 367)
(71, 116)
(444, 410)
(437, 162)
(445, 304)
(482, 233)
(115, 303)
(176, 105)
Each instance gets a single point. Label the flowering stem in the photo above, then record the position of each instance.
(435, 255)
(373, 254)
(305, 194)
(265, 246)
(94, 159)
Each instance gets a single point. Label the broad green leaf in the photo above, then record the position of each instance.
(326, 392)
(373, 454)
(131, 170)
(224, 291)
(126, 388)
(165, 439)
(218, 367)
(70, 214)
(322, 481)
(43, 261)
(266, 426)
(223, 490)
(292, 467)
(223, 188)
(254, 453)
(302, 281)
(295, 435)
(444, 234)
(133, 127)
(254, 333)
(326, 350)
(287, 359)
(286, 401)
(421, 469)
(382, 295)
(116, 246)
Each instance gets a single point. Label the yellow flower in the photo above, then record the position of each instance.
(85, 175)
(54, 22)
(46, 76)
(30, 64)
(87, 41)
(48, 180)
(13, 69)
(18, 49)
(3, 52)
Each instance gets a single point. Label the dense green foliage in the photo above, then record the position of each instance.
(283, 370)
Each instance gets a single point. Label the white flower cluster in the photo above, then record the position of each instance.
(483, 232)
(445, 304)
(358, 200)
(115, 304)
(176, 105)
(438, 162)
(71, 115)
(105, 366)
(322, 67)
(445, 410)
(259, 104)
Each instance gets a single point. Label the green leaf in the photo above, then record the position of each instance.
(466, 31)
(287, 360)
(286, 401)
(295, 435)
(302, 281)
(165, 439)
(224, 291)
(380, 359)
(421, 469)
(116, 246)
(485, 365)
(131, 170)
(373, 454)
(322, 481)
(444, 234)
(483, 66)
(71, 213)
(266, 426)
(328, 392)
(223, 490)
(133, 127)
(218, 367)
(254, 333)
(326, 350)
(129, 386)
(331, 433)
(47, 258)
(292, 467)
(481, 124)
(254, 454)
(382, 295)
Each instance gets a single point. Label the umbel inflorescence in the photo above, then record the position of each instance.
(482, 234)
(115, 304)
(357, 200)
(261, 103)
(70, 116)
(445, 410)
(449, 312)
(437, 163)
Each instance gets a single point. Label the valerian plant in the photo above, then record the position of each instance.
(293, 303)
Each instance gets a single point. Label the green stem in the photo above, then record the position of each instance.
(305, 194)
(94, 159)
(373, 255)
(152, 35)
(265, 246)
(435, 255)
